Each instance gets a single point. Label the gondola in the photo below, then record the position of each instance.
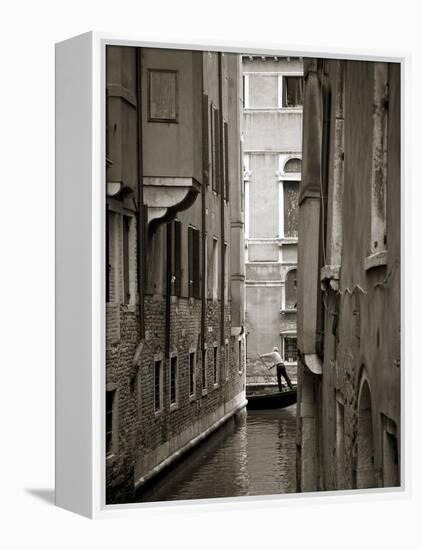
(271, 400)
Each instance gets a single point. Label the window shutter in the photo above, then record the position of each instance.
(217, 167)
(190, 254)
(226, 166)
(126, 265)
(205, 118)
(144, 248)
(196, 263)
(177, 257)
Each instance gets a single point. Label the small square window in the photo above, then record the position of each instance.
(292, 91)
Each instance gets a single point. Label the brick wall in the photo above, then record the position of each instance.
(142, 431)
(142, 437)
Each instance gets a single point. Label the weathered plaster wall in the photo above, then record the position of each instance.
(180, 144)
(361, 303)
(270, 137)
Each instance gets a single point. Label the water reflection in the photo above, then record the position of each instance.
(254, 457)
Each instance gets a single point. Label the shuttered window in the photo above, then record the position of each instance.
(126, 259)
(194, 262)
(226, 165)
(204, 361)
(215, 273)
(215, 365)
(173, 380)
(158, 385)
(176, 258)
(216, 149)
(212, 146)
(218, 152)
(192, 374)
(206, 149)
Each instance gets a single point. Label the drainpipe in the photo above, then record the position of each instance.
(140, 225)
(326, 108)
(168, 279)
(205, 168)
(222, 198)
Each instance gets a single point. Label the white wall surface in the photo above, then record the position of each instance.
(29, 31)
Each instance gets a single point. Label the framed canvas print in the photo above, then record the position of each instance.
(228, 274)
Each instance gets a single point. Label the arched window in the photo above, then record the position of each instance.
(365, 451)
(292, 166)
(291, 289)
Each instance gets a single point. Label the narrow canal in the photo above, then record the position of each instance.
(255, 456)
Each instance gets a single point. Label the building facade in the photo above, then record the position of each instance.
(272, 136)
(348, 415)
(175, 338)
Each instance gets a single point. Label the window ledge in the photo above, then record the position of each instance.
(173, 407)
(287, 240)
(296, 109)
(289, 310)
(375, 260)
(204, 392)
(192, 398)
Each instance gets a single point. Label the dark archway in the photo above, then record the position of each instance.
(365, 446)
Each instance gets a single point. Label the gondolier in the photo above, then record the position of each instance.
(281, 371)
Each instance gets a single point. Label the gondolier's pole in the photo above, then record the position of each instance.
(261, 359)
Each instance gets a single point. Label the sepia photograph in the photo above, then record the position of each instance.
(252, 274)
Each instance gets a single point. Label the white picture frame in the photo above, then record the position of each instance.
(80, 278)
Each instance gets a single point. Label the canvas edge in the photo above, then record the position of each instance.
(73, 273)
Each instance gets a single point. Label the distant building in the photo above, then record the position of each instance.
(175, 338)
(272, 135)
(349, 279)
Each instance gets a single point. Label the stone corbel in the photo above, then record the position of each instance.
(313, 362)
(165, 196)
(329, 276)
(118, 189)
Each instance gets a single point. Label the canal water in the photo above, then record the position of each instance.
(254, 456)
